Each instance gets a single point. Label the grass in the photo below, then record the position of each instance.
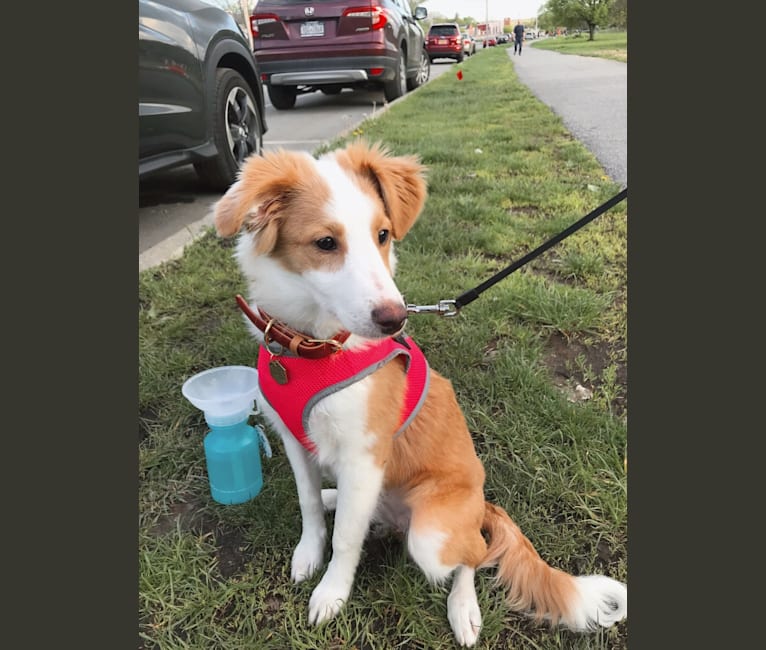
(605, 45)
(502, 180)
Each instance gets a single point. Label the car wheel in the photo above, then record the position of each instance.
(460, 58)
(423, 73)
(398, 85)
(282, 97)
(236, 129)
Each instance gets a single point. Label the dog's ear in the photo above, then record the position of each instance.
(258, 197)
(234, 209)
(229, 212)
(399, 180)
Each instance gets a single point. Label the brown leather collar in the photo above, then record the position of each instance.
(290, 339)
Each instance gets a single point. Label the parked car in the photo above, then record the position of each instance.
(503, 38)
(329, 45)
(529, 34)
(444, 42)
(469, 44)
(200, 99)
(490, 41)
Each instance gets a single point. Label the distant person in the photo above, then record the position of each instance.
(518, 37)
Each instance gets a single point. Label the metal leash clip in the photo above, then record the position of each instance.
(446, 308)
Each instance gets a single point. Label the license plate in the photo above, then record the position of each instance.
(442, 41)
(312, 28)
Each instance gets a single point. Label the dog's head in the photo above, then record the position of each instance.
(316, 243)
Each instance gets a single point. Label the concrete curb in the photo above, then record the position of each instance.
(173, 247)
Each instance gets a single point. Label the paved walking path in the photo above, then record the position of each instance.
(590, 95)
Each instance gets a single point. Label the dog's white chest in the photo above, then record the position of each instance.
(337, 424)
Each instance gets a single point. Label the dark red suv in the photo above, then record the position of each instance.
(329, 45)
(445, 42)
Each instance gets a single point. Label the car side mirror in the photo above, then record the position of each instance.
(420, 13)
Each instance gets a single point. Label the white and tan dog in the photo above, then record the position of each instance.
(316, 250)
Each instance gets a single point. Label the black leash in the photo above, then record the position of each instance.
(451, 307)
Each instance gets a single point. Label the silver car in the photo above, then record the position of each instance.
(469, 44)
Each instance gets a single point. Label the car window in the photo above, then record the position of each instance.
(403, 7)
(443, 30)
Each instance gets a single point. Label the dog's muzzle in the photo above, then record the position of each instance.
(390, 318)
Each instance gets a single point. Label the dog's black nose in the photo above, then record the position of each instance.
(390, 317)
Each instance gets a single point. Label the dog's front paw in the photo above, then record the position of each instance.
(308, 557)
(326, 601)
(464, 618)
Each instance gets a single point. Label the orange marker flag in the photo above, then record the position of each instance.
(460, 74)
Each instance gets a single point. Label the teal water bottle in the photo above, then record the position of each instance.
(232, 446)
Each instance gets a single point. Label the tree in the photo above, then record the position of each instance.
(546, 21)
(618, 14)
(575, 13)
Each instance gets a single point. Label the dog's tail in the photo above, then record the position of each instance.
(579, 603)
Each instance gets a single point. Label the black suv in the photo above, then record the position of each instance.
(200, 98)
(328, 45)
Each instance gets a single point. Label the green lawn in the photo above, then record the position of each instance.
(605, 44)
(502, 180)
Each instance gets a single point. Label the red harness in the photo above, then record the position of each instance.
(309, 380)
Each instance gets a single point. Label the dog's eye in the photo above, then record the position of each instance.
(383, 236)
(326, 244)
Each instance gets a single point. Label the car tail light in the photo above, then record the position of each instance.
(375, 13)
(256, 20)
(376, 72)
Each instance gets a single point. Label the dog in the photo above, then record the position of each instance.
(316, 248)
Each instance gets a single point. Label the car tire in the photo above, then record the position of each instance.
(423, 73)
(460, 58)
(282, 97)
(236, 129)
(398, 85)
